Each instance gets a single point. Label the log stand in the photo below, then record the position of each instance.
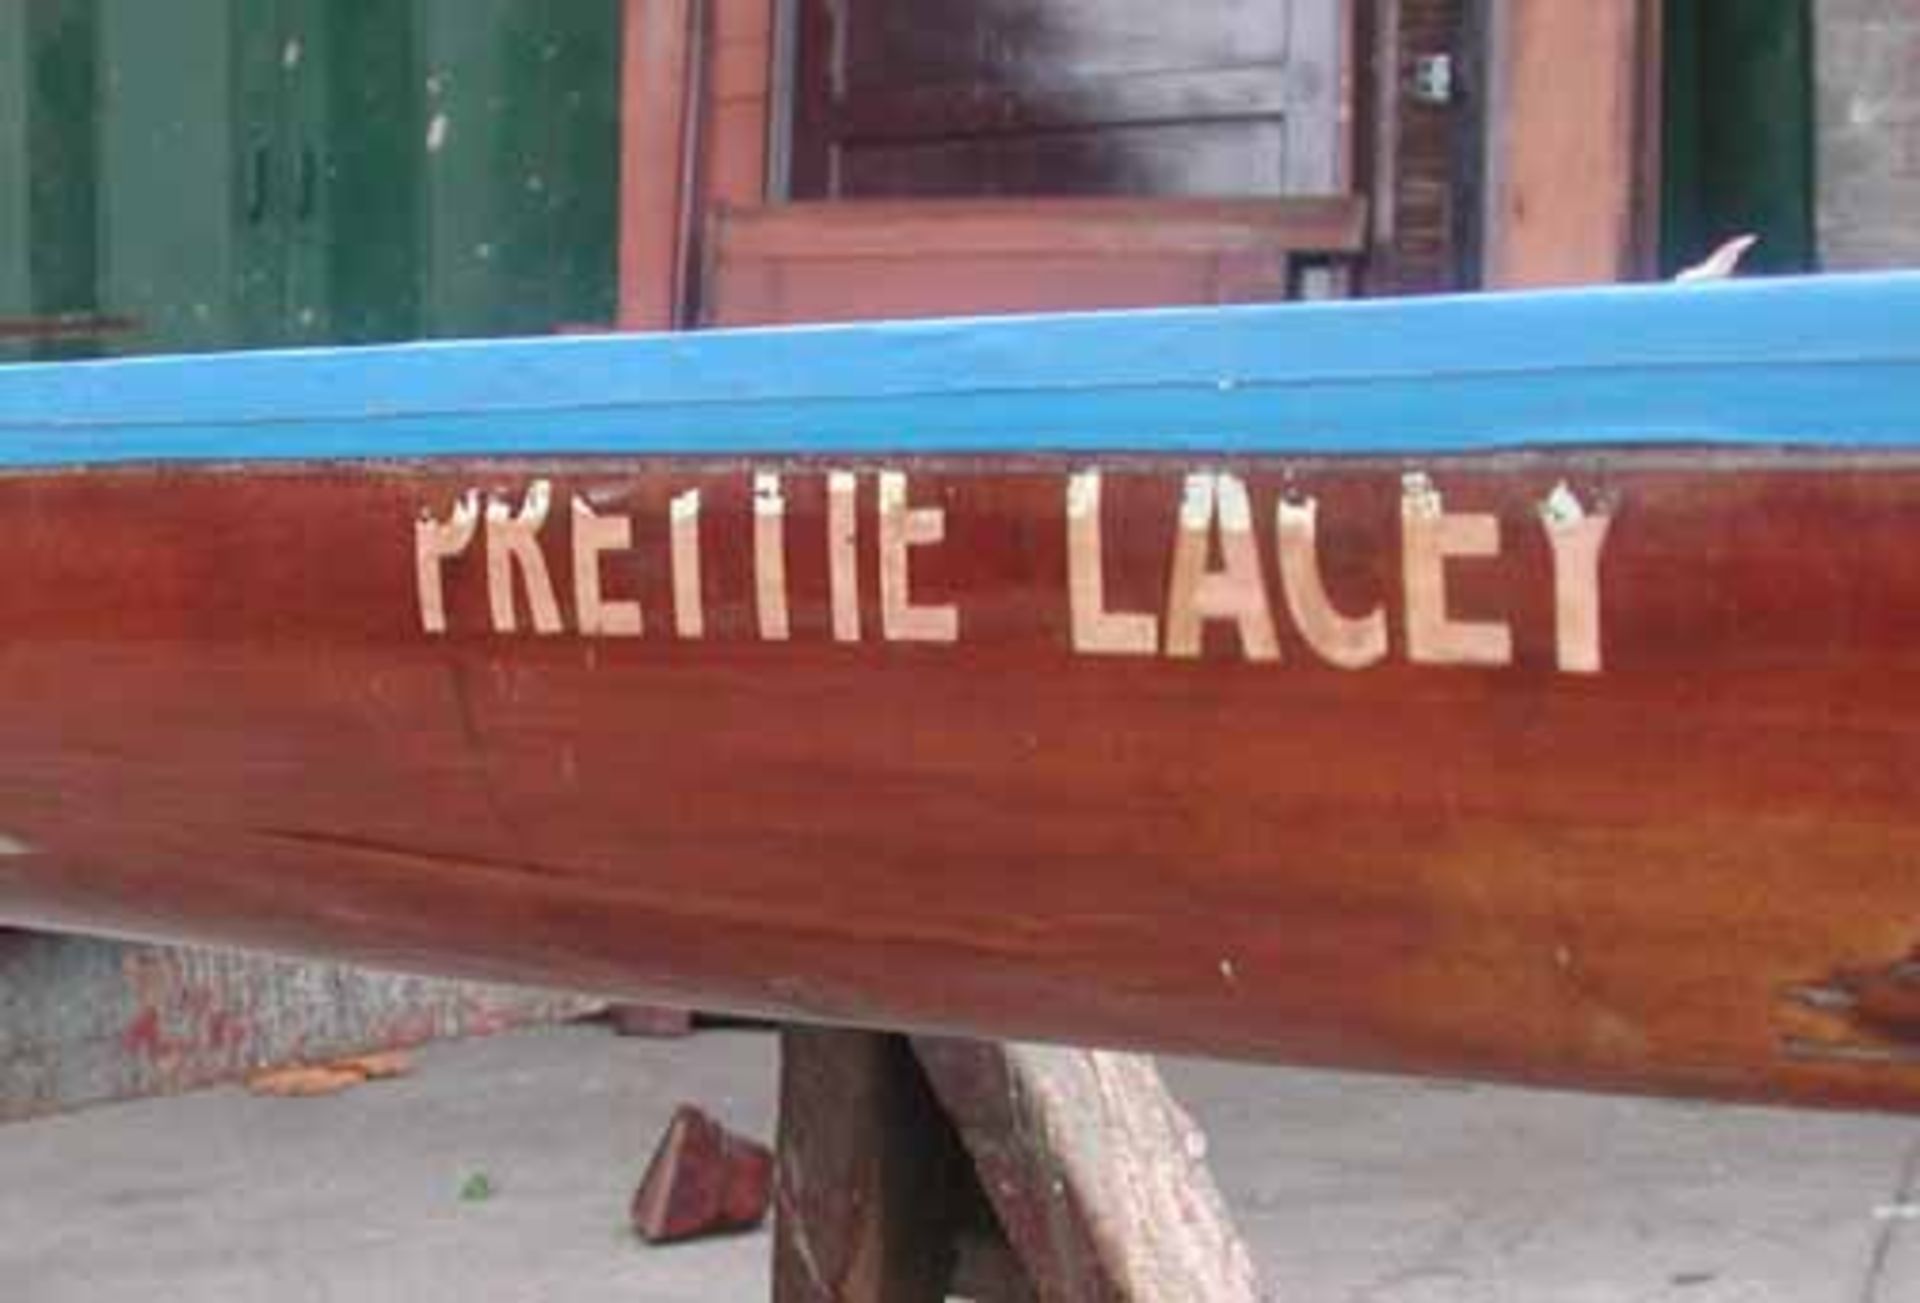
(918, 1169)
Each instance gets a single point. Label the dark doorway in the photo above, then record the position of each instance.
(1069, 97)
(1738, 144)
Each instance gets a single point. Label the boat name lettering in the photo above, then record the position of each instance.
(552, 567)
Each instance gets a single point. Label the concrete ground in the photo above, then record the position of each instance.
(1351, 1189)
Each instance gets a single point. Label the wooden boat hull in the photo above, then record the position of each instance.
(1582, 765)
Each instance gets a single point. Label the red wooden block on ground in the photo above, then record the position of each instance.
(703, 1180)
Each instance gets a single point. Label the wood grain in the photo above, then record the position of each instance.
(224, 722)
(735, 142)
(850, 261)
(1097, 1175)
(1567, 143)
(659, 80)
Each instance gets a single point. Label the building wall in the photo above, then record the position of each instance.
(166, 177)
(1868, 152)
(84, 1021)
(734, 169)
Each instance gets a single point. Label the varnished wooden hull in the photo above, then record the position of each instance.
(1659, 834)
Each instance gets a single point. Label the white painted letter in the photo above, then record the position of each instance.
(1577, 538)
(513, 543)
(770, 558)
(1429, 539)
(683, 525)
(1352, 644)
(1096, 630)
(843, 557)
(434, 544)
(1236, 592)
(593, 537)
(901, 529)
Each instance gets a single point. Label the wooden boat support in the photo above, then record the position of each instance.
(1520, 687)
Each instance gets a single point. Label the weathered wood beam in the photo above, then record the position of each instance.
(865, 1174)
(1098, 1175)
(1568, 126)
(911, 1169)
(703, 1180)
(693, 115)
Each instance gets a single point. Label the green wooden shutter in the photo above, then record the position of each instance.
(179, 178)
(238, 173)
(16, 289)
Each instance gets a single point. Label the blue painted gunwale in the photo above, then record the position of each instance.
(1820, 362)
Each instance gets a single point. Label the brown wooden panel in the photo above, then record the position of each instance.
(735, 139)
(1567, 143)
(848, 261)
(872, 1180)
(1688, 871)
(1052, 97)
(882, 228)
(1096, 1173)
(660, 50)
(693, 135)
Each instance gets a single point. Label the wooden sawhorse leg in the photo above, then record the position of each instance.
(911, 1170)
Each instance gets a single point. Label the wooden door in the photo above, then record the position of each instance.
(1737, 139)
(291, 172)
(47, 248)
(16, 266)
(1068, 97)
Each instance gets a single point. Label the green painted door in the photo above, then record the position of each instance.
(284, 172)
(520, 163)
(47, 167)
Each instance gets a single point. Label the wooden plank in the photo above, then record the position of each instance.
(657, 75)
(901, 228)
(740, 64)
(1566, 141)
(890, 289)
(1096, 1172)
(853, 260)
(736, 171)
(694, 134)
(866, 1175)
(90, 1022)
